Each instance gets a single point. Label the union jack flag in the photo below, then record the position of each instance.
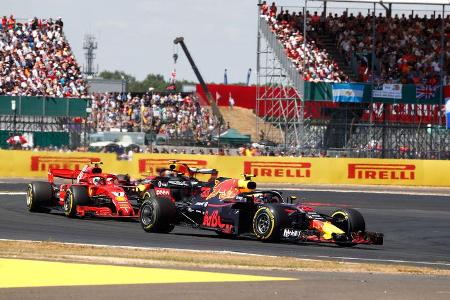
(426, 91)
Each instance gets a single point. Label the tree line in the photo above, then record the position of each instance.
(155, 81)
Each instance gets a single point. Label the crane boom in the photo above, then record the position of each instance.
(211, 102)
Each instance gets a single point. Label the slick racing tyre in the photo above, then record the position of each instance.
(157, 215)
(76, 195)
(268, 222)
(39, 195)
(348, 220)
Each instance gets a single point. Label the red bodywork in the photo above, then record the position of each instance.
(108, 198)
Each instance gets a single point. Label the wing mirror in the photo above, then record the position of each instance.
(291, 199)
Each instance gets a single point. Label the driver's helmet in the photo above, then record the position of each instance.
(168, 173)
(271, 198)
(268, 198)
(97, 180)
(96, 169)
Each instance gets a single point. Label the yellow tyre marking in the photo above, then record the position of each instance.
(43, 273)
(71, 204)
(271, 217)
(29, 196)
(340, 213)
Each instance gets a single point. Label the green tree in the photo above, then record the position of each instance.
(155, 81)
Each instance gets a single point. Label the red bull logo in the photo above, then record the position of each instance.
(226, 189)
(381, 171)
(43, 163)
(278, 169)
(152, 166)
(213, 220)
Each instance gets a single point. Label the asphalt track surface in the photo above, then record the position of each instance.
(416, 229)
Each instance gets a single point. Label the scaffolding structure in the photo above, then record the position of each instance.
(13, 123)
(279, 92)
(90, 45)
(344, 129)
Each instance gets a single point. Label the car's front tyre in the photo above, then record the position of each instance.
(157, 215)
(348, 220)
(75, 196)
(268, 222)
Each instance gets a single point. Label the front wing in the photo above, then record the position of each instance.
(102, 212)
(367, 237)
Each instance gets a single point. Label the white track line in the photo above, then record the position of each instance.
(309, 257)
(13, 193)
(388, 260)
(411, 193)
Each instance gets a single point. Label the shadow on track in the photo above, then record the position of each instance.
(299, 243)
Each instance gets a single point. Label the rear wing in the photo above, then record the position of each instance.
(203, 171)
(62, 173)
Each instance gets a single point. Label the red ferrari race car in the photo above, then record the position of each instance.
(235, 208)
(90, 193)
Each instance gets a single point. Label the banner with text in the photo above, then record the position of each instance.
(25, 164)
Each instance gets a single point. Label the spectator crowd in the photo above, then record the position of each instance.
(310, 58)
(166, 116)
(36, 60)
(407, 49)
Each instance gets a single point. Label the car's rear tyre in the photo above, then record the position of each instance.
(268, 222)
(39, 195)
(75, 196)
(157, 215)
(348, 220)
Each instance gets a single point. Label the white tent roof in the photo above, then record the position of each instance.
(423, 2)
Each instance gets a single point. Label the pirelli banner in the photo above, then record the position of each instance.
(26, 164)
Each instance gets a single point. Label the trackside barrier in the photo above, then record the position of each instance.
(26, 164)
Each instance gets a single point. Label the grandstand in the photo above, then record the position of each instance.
(308, 50)
(41, 86)
(164, 118)
(36, 61)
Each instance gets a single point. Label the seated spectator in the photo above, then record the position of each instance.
(169, 117)
(408, 50)
(312, 61)
(36, 60)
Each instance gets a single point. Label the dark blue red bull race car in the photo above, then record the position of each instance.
(233, 207)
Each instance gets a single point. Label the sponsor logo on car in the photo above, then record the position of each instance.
(178, 183)
(212, 219)
(291, 233)
(162, 184)
(226, 189)
(162, 192)
(278, 169)
(43, 163)
(381, 171)
(152, 166)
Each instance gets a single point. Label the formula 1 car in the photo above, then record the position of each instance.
(93, 193)
(235, 208)
(177, 182)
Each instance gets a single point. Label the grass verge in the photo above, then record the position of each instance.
(187, 258)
